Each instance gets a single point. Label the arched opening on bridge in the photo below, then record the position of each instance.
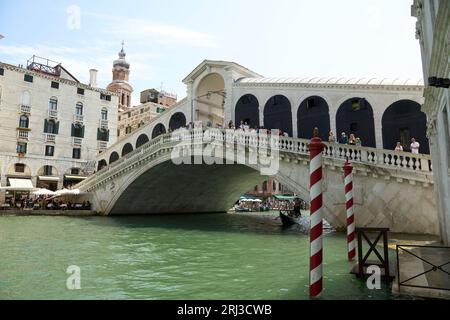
(127, 148)
(402, 121)
(113, 157)
(177, 121)
(355, 116)
(247, 110)
(141, 140)
(159, 129)
(313, 112)
(278, 115)
(210, 100)
(101, 164)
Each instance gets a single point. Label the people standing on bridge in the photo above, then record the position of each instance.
(415, 146)
(331, 137)
(398, 147)
(358, 141)
(231, 124)
(343, 139)
(352, 139)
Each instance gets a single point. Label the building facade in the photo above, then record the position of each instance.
(160, 97)
(52, 126)
(433, 33)
(132, 119)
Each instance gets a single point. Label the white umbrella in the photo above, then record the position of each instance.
(43, 192)
(64, 192)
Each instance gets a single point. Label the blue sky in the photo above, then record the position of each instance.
(165, 40)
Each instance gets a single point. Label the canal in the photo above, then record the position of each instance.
(213, 256)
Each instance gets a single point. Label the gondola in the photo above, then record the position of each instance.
(241, 209)
(287, 220)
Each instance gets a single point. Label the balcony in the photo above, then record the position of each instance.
(53, 113)
(22, 134)
(78, 118)
(49, 137)
(102, 145)
(77, 142)
(103, 123)
(25, 109)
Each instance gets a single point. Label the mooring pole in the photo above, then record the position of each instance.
(348, 183)
(316, 225)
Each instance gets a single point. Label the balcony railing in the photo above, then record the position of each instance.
(22, 134)
(49, 137)
(102, 145)
(53, 113)
(78, 118)
(25, 109)
(103, 123)
(77, 142)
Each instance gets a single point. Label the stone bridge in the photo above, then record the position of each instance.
(197, 171)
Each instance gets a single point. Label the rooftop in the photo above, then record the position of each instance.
(336, 80)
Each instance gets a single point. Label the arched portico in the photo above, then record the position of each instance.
(209, 100)
(158, 130)
(313, 112)
(177, 120)
(247, 110)
(278, 114)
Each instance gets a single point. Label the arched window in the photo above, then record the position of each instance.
(79, 109)
(104, 114)
(23, 122)
(51, 126)
(53, 104)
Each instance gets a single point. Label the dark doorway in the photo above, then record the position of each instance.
(177, 121)
(312, 113)
(278, 115)
(159, 129)
(402, 121)
(127, 148)
(247, 110)
(101, 165)
(356, 116)
(113, 157)
(143, 139)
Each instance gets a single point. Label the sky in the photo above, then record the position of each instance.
(166, 40)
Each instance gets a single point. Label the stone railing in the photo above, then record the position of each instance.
(387, 159)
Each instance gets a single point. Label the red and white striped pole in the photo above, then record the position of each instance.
(316, 243)
(348, 182)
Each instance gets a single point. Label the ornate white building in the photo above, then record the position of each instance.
(433, 33)
(52, 126)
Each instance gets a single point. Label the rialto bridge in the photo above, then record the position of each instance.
(138, 174)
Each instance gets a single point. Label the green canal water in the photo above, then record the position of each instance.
(217, 256)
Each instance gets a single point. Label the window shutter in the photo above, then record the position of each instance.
(107, 135)
(25, 148)
(57, 128)
(98, 134)
(72, 130)
(82, 131)
(45, 126)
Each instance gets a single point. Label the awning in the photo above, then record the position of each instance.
(20, 184)
(74, 177)
(284, 197)
(48, 178)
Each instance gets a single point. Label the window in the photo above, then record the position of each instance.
(48, 170)
(55, 85)
(128, 130)
(76, 153)
(21, 147)
(75, 171)
(141, 124)
(79, 109)
(80, 91)
(19, 167)
(264, 187)
(129, 114)
(53, 104)
(354, 127)
(77, 131)
(274, 186)
(102, 134)
(28, 78)
(142, 110)
(50, 126)
(104, 114)
(120, 118)
(105, 97)
(23, 122)
(2, 72)
(49, 151)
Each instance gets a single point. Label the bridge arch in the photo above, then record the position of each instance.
(141, 140)
(158, 130)
(355, 115)
(313, 112)
(101, 164)
(113, 157)
(127, 148)
(247, 110)
(402, 121)
(278, 114)
(177, 120)
(210, 99)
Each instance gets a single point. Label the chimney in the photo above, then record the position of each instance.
(93, 78)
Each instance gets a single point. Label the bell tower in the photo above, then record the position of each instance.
(120, 84)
